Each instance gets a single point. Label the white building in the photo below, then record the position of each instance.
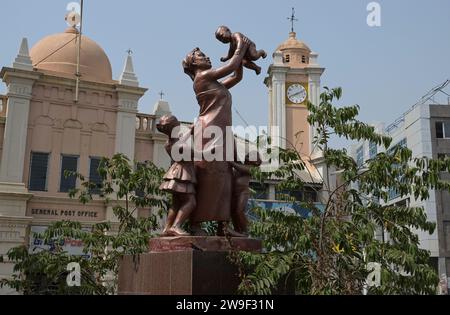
(425, 130)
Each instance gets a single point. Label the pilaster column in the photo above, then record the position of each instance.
(271, 114)
(279, 104)
(128, 99)
(14, 196)
(314, 98)
(19, 86)
(314, 73)
(277, 85)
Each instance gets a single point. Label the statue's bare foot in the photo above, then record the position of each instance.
(166, 233)
(178, 232)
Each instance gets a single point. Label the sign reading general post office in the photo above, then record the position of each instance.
(60, 213)
(76, 214)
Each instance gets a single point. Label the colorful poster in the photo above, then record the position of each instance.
(72, 247)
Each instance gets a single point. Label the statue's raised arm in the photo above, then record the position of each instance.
(198, 66)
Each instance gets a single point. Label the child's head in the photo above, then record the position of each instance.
(253, 159)
(167, 124)
(223, 34)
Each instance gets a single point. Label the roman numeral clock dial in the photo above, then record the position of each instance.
(297, 94)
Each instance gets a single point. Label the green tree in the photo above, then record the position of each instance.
(329, 252)
(125, 189)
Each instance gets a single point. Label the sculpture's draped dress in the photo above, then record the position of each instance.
(214, 187)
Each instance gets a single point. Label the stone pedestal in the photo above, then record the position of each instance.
(184, 266)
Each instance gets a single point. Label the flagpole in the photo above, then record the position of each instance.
(78, 74)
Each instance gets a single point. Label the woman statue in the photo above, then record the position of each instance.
(214, 178)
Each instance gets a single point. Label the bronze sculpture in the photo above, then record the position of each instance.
(241, 192)
(179, 180)
(214, 186)
(239, 43)
(214, 179)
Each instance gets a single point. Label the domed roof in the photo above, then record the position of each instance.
(293, 43)
(57, 54)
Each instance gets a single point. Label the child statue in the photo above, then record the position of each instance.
(180, 180)
(241, 192)
(240, 44)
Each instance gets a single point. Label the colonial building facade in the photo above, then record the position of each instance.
(47, 128)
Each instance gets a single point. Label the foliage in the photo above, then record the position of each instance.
(123, 188)
(329, 252)
(45, 273)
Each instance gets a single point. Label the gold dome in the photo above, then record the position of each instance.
(293, 43)
(57, 54)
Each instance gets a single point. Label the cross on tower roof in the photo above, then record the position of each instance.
(161, 94)
(129, 52)
(292, 19)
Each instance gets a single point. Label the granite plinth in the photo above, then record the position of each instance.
(184, 266)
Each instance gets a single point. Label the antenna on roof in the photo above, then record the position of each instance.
(74, 18)
(426, 99)
(77, 88)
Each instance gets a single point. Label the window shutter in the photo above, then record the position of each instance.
(439, 130)
(38, 171)
(94, 176)
(69, 163)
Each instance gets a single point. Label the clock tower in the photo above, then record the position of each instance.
(293, 79)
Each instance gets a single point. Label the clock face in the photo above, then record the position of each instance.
(297, 94)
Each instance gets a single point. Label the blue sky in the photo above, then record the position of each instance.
(385, 70)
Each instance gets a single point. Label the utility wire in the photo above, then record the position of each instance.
(54, 52)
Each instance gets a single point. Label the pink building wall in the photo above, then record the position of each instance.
(59, 126)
